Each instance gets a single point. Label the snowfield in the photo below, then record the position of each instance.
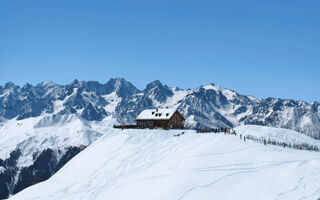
(154, 164)
(57, 132)
(278, 134)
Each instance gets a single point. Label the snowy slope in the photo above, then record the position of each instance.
(153, 164)
(37, 134)
(33, 149)
(277, 134)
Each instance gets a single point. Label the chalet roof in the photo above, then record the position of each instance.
(153, 114)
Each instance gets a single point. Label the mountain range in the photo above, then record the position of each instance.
(207, 106)
(44, 126)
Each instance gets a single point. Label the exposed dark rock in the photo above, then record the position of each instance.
(44, 166)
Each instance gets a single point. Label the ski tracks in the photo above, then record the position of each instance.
(250, 168)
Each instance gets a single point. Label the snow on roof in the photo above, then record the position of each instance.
(162, 114)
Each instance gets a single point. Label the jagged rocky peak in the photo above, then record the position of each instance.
(212, 86)
(48, 89)
(179, 89)
(69, 87)
(74, 82)
(205, 104)
(9, 85)
(155, 90)
(27, 86)
(92, 113)
(46, 85)
(316, 106)
(121, 87)
(229, 94)
(154, 84)
(89, 86)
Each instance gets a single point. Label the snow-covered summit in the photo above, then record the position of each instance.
(206, 106)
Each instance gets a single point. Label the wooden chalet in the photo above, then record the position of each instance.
(160, 118)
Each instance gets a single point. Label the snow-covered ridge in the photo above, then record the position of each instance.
(277, 134)
(178, 95)
(33, 149)
(207, 106)
(54, 131)
(153, 164)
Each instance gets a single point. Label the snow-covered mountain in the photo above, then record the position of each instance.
(153, 164)
(42, 127)
(33, 149)
(90, 100)
(206, 106)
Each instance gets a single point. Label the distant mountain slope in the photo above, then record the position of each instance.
(153, 164)
(33, 149)
(206, 106)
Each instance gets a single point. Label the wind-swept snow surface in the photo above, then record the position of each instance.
(56, 132)
(33, 149)
(277, 134)
(154, 164)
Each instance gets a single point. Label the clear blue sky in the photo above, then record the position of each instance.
(263, 48)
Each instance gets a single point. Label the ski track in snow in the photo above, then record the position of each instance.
(301, 181)
(248, 171)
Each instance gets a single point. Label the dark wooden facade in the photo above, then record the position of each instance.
(175, 122)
